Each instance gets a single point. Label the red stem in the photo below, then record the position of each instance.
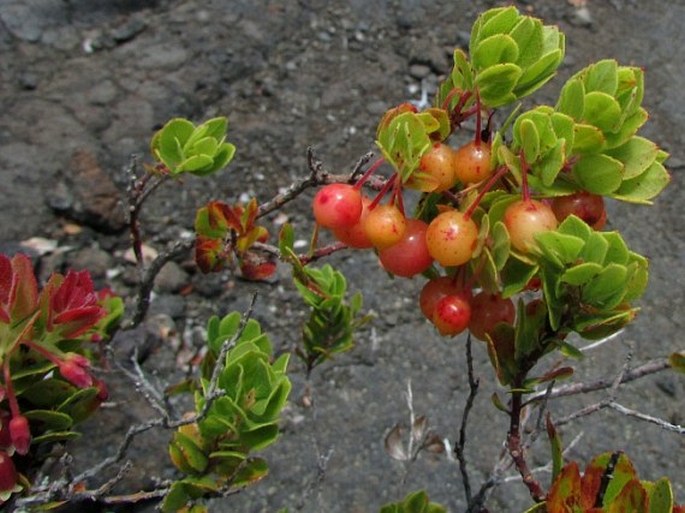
(369, 172)
(501, 171)
(388, 185)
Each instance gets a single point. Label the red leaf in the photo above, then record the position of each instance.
(632, 499)
(73, 304)
(209, 254)
(256, 267)
(564, 496)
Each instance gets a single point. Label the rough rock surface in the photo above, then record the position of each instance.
(85, 83)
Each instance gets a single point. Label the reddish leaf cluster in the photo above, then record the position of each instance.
(225, 232)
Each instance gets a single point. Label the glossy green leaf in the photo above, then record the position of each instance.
(497, 49)
(607, 288)
(538, 74)
(527, 33)
(618, 251)
(628, 129)
(575, 226)
(637, 154)
(493, 21)
(601, 110)
(572, 99)
(193, 163)
(643, 188)
(564, 127)
(558, 247)
(602, 76)
(552, 163)
(501, 245)
(496, 84)
(595, 250)
(530, 140)
(581, 273)
(462, 73)
(587, 139)
(599, 174)
(516, 275)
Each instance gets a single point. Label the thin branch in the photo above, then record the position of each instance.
(148, 280)
(676, 428)
(641, 371)
(460, 446)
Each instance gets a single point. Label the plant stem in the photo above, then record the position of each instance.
(514, 445)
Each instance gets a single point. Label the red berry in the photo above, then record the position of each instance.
(337, 205)
(452, 238)
(438, 164)
(8, 473)
(384, 225)
(355, 236)
(472, 162)
(587, 206)
(410, 255)
(526, 218)
(487, 311)
(434, 290)
(20, 433)
(452, 315)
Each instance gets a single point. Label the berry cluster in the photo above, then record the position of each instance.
(448, 234)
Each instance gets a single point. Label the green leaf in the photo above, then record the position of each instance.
(216, 127)
(602, 76)
(601, 110)
(575, 226)
(49, 420)
(560, 248)
(572, 99)
(494, 21)
(644, 187)
(607, 288)
(501, 245)
(48, 392)
(581, 273)
(530, 140)
(255, 470)
(587, 139)
(55, 436)
(565, 493)
(527, 34)
(632, 498)
(462, 73)
(496, 83)
(496, 49)
(168, 142)
(628, 129)
(193, 164)
(192, 455)
(617, 252)
(537, 75)
(661, 497)
(516, 275)
(595, 250)
(637, 154)
(564, 127)
(599, 174)
(552, 162)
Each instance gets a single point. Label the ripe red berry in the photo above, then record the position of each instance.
(452, 315)
(585, 205)
(526, 218)
(434, 290)
(487, 311)
(452, 238)
(337, 205)
(410, 255)
(472, 162)
(355, 236)
(384, 225)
